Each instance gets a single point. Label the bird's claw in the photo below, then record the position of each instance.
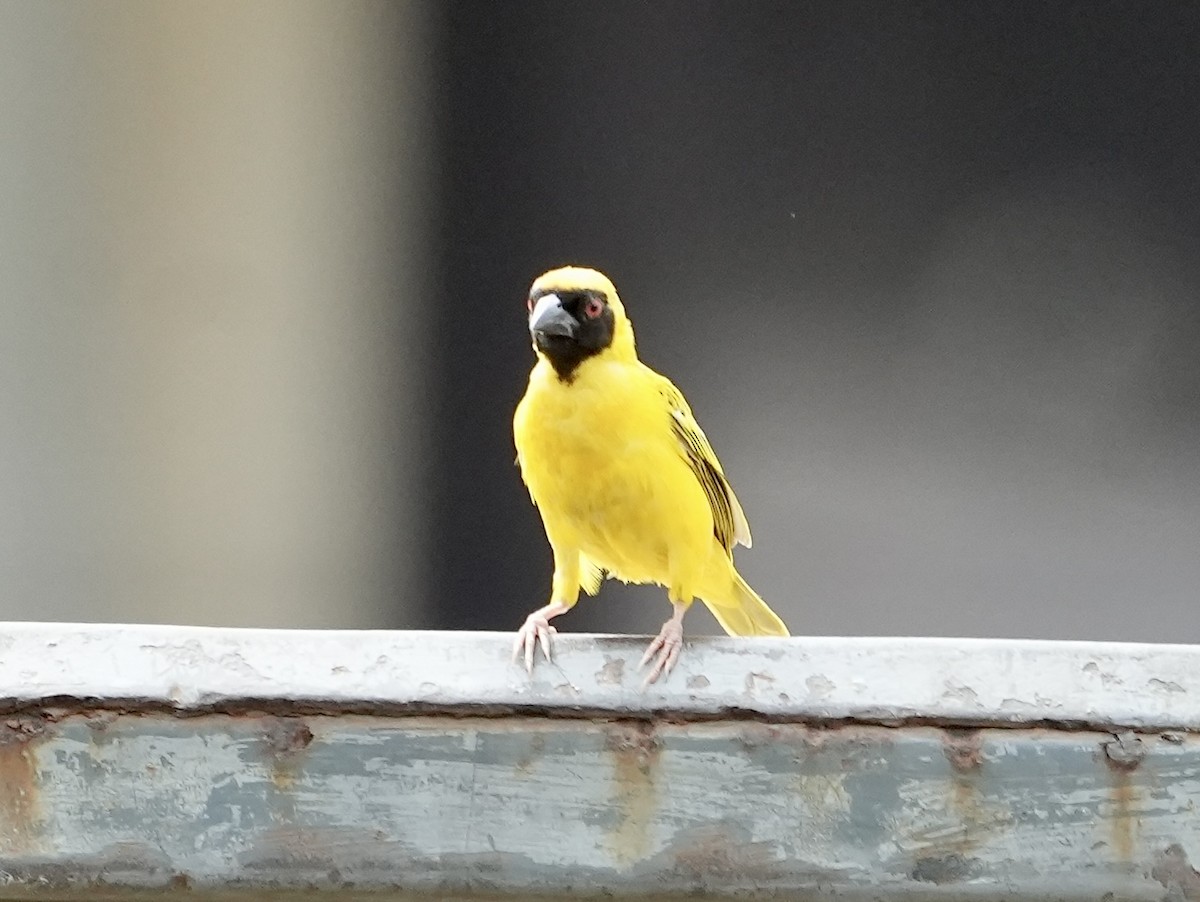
(663, 651)
(534, 632)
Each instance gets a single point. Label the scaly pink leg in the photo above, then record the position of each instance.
(537, 631)
(664, 650)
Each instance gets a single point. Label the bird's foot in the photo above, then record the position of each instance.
(664, 651)
(534, 632)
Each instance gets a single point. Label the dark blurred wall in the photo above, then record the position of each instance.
(926, 271)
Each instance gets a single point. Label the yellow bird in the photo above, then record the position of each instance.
(626, 482)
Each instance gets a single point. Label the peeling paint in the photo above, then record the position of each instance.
(1125, 752)
(1174, 871)
(612, 673)
(1164, 685)
(949, 868)
(819, 686)
(1106, 678)
(960, 693)
(755, 679)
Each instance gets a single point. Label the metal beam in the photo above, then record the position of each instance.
(278, 762)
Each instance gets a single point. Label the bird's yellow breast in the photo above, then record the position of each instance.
(606, 470)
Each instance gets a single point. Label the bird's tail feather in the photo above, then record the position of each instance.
(748, 615)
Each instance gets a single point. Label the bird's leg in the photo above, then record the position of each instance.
(664, 650)
(563, 595)
(537, 631)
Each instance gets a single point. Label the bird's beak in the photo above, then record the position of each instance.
(550, 319)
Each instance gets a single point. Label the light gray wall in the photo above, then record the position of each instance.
(209, 247)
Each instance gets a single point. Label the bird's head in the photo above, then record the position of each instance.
(575, 314)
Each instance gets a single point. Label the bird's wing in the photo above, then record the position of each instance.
(520, 429)
(729, 521)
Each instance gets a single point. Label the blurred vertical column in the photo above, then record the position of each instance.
(212, 270)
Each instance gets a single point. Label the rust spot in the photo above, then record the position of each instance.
(635, 737)
(635, 750)
(1176, 874)
(98, 723)
(179, 882)
(751, 736)
(966, 802)
(974, 820)
(612, 673)
(1123, 820)
(287, 738)
(288, 735)
(537, 746)
(814, 740)
(945, 852)
(21, 730)
(1123, 755)
(18, 783)
(963, 749)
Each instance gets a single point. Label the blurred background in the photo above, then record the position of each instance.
(927, 272)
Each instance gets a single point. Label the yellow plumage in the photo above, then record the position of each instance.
(625, 480)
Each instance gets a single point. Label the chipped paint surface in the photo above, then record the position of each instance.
(885, 680)
(506, 806)
(589, 790)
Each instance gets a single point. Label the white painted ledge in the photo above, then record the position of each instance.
(874, 680)
(281, 764)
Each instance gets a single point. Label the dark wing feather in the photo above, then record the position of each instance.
(729, 522)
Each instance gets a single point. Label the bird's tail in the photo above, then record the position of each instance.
(746, 614)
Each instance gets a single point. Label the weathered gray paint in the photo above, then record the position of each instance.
(169, 778)
(965, 681)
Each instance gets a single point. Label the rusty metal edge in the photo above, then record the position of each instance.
(275, 751)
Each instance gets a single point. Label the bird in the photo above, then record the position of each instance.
(625, 481)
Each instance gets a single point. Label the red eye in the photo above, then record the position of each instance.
(593, 308)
